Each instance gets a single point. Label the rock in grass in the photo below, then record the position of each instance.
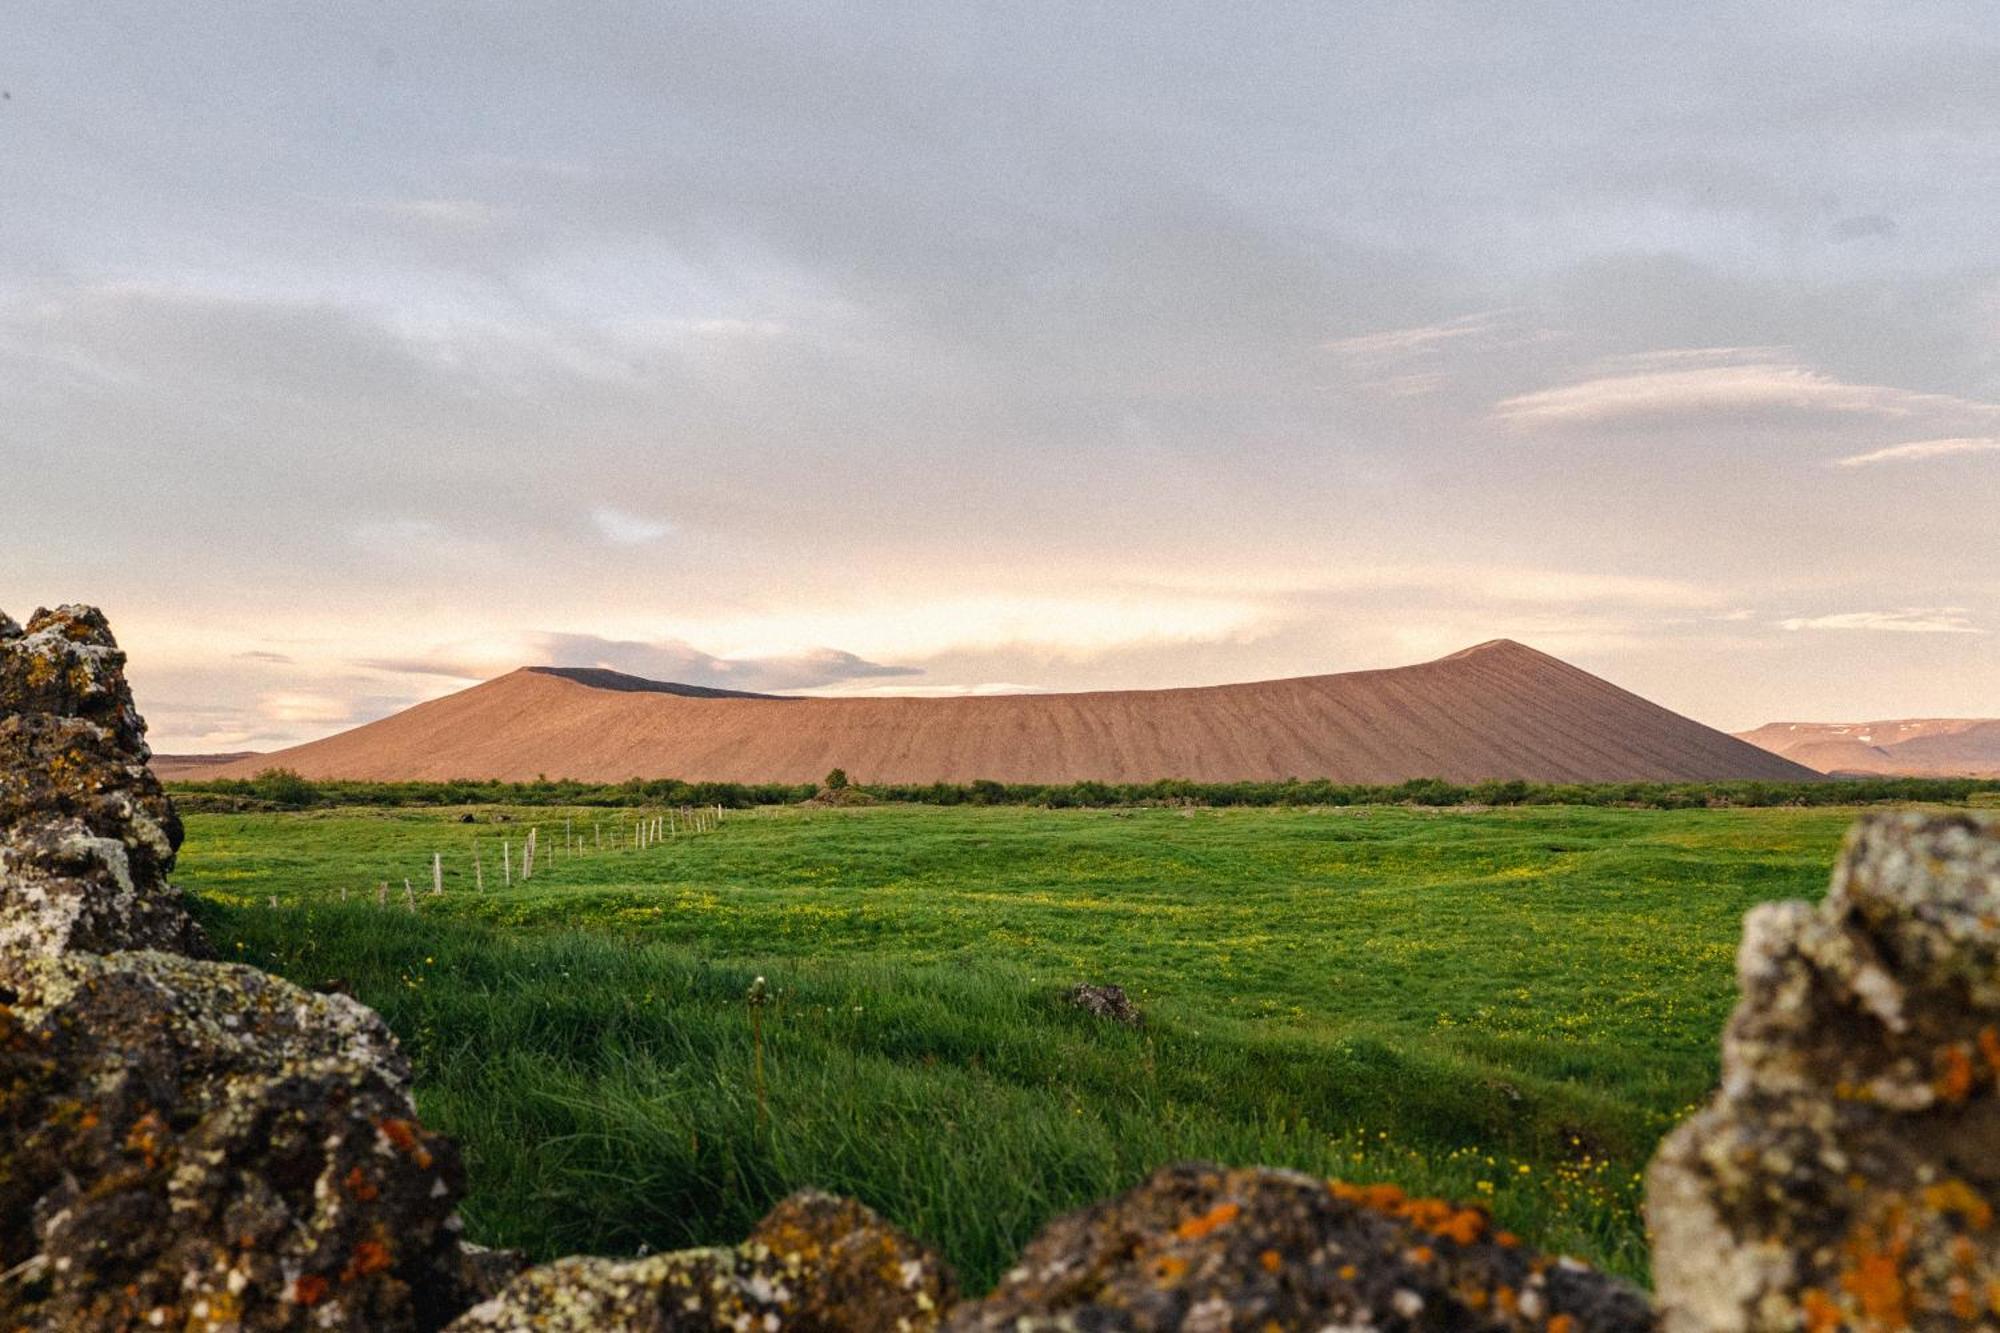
(1198, 1247)
(188, 1144)
(1107, 1002)
(87, 836)
(1846, 1174)
(816, 1264)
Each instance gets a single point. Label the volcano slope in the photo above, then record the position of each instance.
(1930, 747)
(1496, 711)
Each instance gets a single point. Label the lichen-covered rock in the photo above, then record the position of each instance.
(87, 836)
(816, 1264)
(1201, 1248)
(1846, 1175)
(199, 1145)
(1108, 1002)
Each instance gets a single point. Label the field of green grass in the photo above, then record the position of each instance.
(1510, 1005)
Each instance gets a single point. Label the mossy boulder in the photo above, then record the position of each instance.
(87, 835)
(1847, 1173)
(815, 1264)
(191, 1144)
(1200, 1247)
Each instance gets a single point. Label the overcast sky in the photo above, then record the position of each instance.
(352, 352)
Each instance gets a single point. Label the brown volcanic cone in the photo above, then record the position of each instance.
(1499, 710)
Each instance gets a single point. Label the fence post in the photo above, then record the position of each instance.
(409, 894)
(437, 872)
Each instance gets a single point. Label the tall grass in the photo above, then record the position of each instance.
(606, 1094)
(1510, 1005)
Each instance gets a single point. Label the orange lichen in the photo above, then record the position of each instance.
(309, 1289)
(1989, 1046)
(370, 1256)
(144, 1137)
(1955, 1074)
(1423, 1254)
(403, 1135)
(1562, 1323)
(1440, 1216)
(1876, 1280)
(1219, 1216)
(1506, 1240)
(1271, 1260)
(359, 1185)
(1348, 1272)
(1955, 1196)
(1822, 1314)
(1464, 1226)
(1170, 1267)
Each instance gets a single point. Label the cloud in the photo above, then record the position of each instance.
(1864, 226)
(304, 706)
(275, 659)
(1397, 343)
(1724, 392)
(1920, 449)
(666, 659)
(1911, 620)
(623, 529)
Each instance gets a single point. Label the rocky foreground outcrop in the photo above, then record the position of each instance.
(1198, 1247)
(200, 1145)
(814, 1263)
(1846, 1175)
(184, 1144)
(86, 834)
(189, 1144)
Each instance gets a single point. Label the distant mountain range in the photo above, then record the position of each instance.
(1496, 711)
(1927, 747)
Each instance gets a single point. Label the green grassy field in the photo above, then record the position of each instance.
(1510, 1005)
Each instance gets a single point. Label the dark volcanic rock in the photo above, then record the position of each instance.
(816, 1264)
(1847, 1173)
(1106, 1002)
(87, 836)
(1198, 1247)
(189, 1144)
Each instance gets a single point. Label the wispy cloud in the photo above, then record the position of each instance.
(623, 529)
(1704, 392)
(1910, 620)
(1393, 343)
(665, 659)
(1921, 449)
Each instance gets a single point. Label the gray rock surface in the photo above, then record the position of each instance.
(193, 1144)
(1203, 1249)
(815, 1264)
(1107, 1002)
(87, 836)
(1845, 1176)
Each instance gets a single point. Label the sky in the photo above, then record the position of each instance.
(351, 353)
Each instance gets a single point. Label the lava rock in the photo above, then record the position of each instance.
(191, 1144)
(1108, 1002)
(87, 835)
(815, 1264)
(1198, 1247)
(1846, 1174)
